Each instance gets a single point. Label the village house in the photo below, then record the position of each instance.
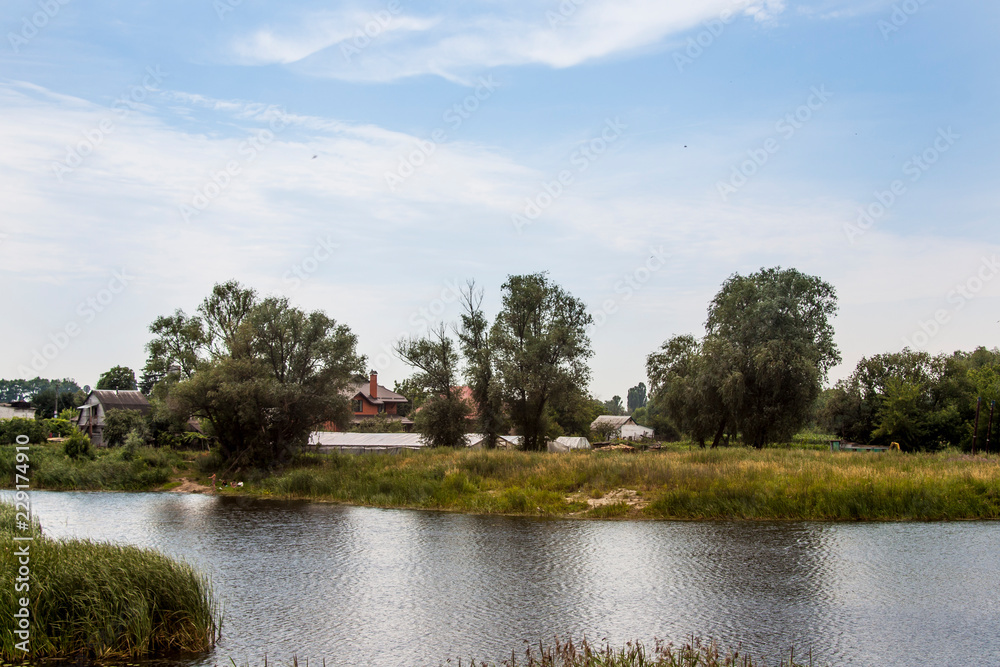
(370, 399)
(20, 409)
(97, 405)
(623, 427)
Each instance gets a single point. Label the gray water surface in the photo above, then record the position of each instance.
(362, 586)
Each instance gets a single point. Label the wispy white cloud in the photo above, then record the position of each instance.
(457, 45)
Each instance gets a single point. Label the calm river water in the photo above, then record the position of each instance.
(388, 587)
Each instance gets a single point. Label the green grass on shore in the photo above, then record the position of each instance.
(104, 601)
(706, 484)
(110, 469)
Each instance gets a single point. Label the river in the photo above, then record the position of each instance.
(361, 586)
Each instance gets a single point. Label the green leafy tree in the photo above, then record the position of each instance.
(118, 377)
(475, 338)
(77, 446)
(767, 349)
(636, 397)
(416, 395)
(540, 346)
(118, 424)
(614, 406)
(776, 341)
(36, 431)
(70, 396)
(260, 374)
(688, 378)
(442, 418)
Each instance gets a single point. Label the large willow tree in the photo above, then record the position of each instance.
(260, 372)
(767, 349)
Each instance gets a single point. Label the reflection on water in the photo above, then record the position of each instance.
(386, 587)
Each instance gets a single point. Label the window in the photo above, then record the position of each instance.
(356, 405)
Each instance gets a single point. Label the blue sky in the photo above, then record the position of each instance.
(638, 151)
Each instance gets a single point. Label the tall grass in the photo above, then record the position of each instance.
(730, 483)
(111, 469)
(104, 601)
(695, 653)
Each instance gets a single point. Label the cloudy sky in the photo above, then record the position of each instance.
(367, 158)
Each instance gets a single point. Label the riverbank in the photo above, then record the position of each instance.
(676, 482)
(721, 484)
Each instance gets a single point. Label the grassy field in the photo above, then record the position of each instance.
(101, 601)
(695, 484)
(801, 480)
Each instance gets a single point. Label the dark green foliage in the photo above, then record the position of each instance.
(636, 397)
(415, 394)
(118, 424)
(260, 374)
(540, 347)
(36, 430)
(77, 445)
(614, 406)
(921, 401)
(91, 600)
(380, 423)
(24, 390)
(69, 395)
(118, 377)
(103, 469)
(442, 417)
(768, 346)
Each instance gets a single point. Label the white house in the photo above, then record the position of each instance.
(21, 409)
(624, 427)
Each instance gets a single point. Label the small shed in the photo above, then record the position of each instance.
(624, 427)
(97, 405)
(566, 443)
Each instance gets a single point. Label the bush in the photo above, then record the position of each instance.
(77, 445)
(11, 428)
(59, 428)
(119, 423)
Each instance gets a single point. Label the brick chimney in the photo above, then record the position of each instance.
(373, 386)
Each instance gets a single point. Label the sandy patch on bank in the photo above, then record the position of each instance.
(187, 486)
(627, 496)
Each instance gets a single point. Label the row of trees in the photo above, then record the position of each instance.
(921, 401)
(526, 369)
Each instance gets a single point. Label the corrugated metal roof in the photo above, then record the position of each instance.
(381, 440)
(113, 399)
(614, 420)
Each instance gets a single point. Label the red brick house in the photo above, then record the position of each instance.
(369, 398)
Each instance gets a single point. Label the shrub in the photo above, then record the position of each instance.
(77, 445)
(11, 428)
(119, 423)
